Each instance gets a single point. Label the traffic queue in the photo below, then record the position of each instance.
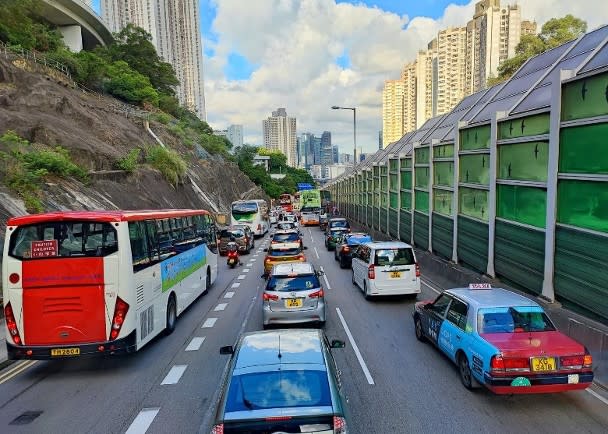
(498, 339)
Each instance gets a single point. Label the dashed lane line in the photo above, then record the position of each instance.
(220, 307)
(325, 277)
(246, 270)
(195, 344)
(175, 373)
(598, 396)
(368, 376)
(236, 284)
(241, 277)
(317, 253)
(143, 420)
(209, 322)
(229, 294)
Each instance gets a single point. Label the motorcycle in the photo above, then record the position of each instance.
(233, 255)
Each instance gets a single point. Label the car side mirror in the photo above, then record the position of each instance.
(427, 306)
(336, 343)
(305, 248)
(266, 249)
(227, 350)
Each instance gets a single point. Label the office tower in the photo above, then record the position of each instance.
(280, 134)
(335, 154)
(326, 149)
(175, 31)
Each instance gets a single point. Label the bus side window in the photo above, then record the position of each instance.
(153, 245)
(212, 240)
(176, 228)
(139, 245)
(165, 238)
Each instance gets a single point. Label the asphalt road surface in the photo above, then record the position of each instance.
(394, 383)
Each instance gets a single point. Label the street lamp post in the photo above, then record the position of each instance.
(354, 109)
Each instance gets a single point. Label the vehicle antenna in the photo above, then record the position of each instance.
(280, 355)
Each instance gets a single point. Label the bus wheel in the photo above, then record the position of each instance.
(171, 314)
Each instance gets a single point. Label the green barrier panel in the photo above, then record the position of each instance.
(405, 228)
(584, 149)
(394, 199)
(422, 177)
(393, 226)
(406, 162)
(583, 204)
(520, 255)
(406, 179)
(475, 169)
(585, 98)
(367, 218)
(443, 235)
(473, 243)
(523, 161)
(383, 216)
(422, 155)
(580, 271)
(522, 127)
(475, 138)
(406, 200)
(522, 204)
(442, 201)
(443, 151)
(422, 201)
(421, 230)
(443, 173)
(375, 217)
(473, 202)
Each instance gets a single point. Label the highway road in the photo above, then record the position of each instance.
(394, 383)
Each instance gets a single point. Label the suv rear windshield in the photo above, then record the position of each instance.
(304, 282)
(284, 252)
(339, 224)
(278, 389)
(63, 239)
(285, 238)
(234, 233)
(398, 256)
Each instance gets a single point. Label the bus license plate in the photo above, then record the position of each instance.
(395, 274)
(57, 352)
(543, 364)
(293, 302)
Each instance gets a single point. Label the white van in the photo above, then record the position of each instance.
(386, 268)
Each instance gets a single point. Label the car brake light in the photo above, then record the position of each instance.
(267, 260)
(497, 363)
(572, 362)
(301, 258)
(11, 324)
(417, 269)
(371, 272)
(120, 312)
(501, 364)
(317, 294)
(339, 425)
(277, 418)
(270, 297)
(218, 429)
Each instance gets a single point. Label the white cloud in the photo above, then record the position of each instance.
(295, 44)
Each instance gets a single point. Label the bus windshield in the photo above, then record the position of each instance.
(245, 208)
(63, 239)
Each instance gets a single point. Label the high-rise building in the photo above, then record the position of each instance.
(380, 139)
(392, 111)
(89, 3)
(492, 36)
(327, 154)
(335, 154)
(306, 152)
(175, 31)
(425, 90)
(451, 48)
(235, 135)
(280, 135)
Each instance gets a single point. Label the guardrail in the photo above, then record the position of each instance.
(35, 57)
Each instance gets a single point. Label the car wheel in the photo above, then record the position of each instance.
(171, 315)
(465, 371)
(343, 263)
(418, 329)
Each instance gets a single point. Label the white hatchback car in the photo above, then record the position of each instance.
(386, 268)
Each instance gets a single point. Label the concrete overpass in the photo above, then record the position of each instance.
(80, 26)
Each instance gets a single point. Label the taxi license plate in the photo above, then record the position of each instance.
(65, 352)
(291, 303)
(543, 364)
(395, 274)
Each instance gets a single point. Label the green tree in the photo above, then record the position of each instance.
(129, 85)
(133, 45)
(22, 25)
(554, 32)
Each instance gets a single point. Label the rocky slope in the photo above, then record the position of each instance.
(44, 107)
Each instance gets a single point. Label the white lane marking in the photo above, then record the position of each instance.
(598, 396)
(209, 322)
(16, 370)
(246, 270)
(195, 344)
(174, 374)
(370, 380)
(255, 256)
(438, 291)
(311, 237)
(143, 420)
(241, 277)
(219, 307)
(229, 294)
(317, 252)
(236, 284)
(325, 277)
(252, 260)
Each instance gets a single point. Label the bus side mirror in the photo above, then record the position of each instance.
(227, 350)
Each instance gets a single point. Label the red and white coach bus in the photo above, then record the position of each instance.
(285, 201)
(83, 283)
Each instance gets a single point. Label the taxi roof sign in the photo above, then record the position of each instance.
(480, 286)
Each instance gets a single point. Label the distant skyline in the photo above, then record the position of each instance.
(313, 54)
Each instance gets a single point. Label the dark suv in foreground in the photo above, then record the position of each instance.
(282, 381)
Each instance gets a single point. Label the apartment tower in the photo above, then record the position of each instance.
(280, 135)
(392, 111)
(174, 26)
